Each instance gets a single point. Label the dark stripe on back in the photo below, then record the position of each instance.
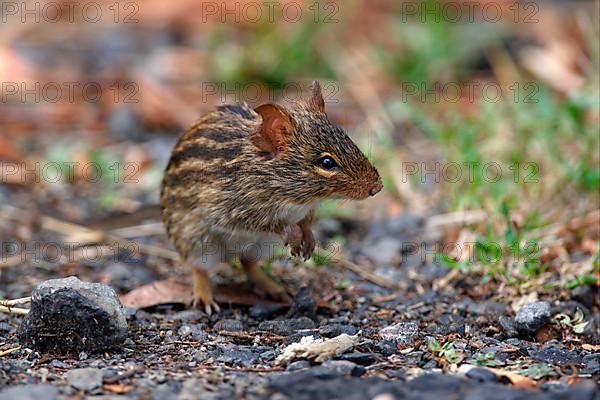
(237, 109)
(199, 151)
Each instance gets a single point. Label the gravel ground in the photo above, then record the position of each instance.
(414, 341)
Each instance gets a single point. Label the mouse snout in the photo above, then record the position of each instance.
(376, 189)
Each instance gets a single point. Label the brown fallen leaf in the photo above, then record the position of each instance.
(591, 347)
(161, 292)
(242, 296)
(118, 388)
(515, 379)
(173, 291)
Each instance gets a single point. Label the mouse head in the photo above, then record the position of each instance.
(313, 153)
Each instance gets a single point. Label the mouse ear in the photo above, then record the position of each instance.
(275, 131)
(316, 101)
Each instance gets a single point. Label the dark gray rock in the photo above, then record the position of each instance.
(286, 327)
(554, 387)
(482, 375)
(296, 337)
(556, 353)
(437, 383)
(192, 389)
(268, 355)
(11, 366)
(386, 347)
(303, 305)
(241, 358)
(313, 385)
(400, 332)
(586, 390)
(434, 271)
(192, 332)
(333, 330)
(30, 392)
(508, 326)
(585, 295)
(263, 311)
(533, 316)
(86, 379)
(591, 364)
(229, 325)
(191, 315)
(446, 324)
(343, 368)
(70, 316)
(60, 364)
(414, 357)
(298, 365)
(359, 358)
(5, 328)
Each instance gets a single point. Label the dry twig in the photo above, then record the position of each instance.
(14, 310)
(9, 303)
(7, 352)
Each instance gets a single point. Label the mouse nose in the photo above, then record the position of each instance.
(376, 189)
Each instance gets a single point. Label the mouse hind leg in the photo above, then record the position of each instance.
(201, 264)
(203, 292)
(261, 280)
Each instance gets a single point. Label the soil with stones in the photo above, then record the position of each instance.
(437, 334)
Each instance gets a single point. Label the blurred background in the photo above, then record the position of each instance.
(483, 118)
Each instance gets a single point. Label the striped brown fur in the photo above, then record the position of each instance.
(218, 182)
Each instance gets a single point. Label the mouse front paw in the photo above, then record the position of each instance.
(301, 241)
(308, 244)
(292, 236)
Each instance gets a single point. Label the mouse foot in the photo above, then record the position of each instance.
(203, 294)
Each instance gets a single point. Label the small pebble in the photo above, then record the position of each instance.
(533, 316)
(400, 332)
(229, 325)
(30, 392)
(85, 379)
(298, 365)
(303, 305)
(482, 375)
(287, 326)
(334, 330)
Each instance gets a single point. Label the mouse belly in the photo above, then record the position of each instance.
(223, 247)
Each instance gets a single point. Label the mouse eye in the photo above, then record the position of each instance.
(327, 163)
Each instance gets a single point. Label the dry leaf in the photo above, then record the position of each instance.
(517, 380)
(171, 291)
(318, 350)
(160, 292)
(239, 294)
(591, 347)
(118, 388)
